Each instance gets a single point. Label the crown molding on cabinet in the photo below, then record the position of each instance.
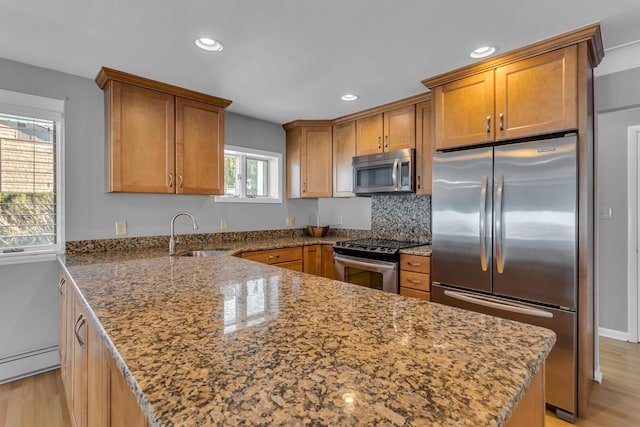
(415, 99)
(590, 34)
(108, 74)
(306, 123)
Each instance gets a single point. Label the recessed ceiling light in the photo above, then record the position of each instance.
(209, 44)
(483, 52)
(349, 97)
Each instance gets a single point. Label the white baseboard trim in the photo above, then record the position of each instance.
(612, 333)
(28, 363)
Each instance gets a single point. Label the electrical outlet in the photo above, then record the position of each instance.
(339, 221)
(605, 213)
(121, 228)
(223, 224)
(290, 221)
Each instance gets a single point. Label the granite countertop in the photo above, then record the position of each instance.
(223, 340)
(424, 250)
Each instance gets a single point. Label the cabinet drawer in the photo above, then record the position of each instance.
(415, 294)
(411, 279)
(275, 256)
(291, 265)
(420, 264)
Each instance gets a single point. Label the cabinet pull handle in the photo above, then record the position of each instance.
(180, 180)
(418, 182)
(379, 138)
(416, 282)
(386, 141)
(415, 264)
(170, 180)
(488, 124)
(60, 284)
(304, 187)
(76, 329)
(501, 121)
(274, 256)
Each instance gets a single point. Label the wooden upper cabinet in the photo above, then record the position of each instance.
(533, 96)
(464, 111)
(344, 148)
(424, 147)
(161, 138)
(141, 147)
(400, 128)
(199, 147)
(369, 134)
(309, 159)
(538, 95)
(388, 131)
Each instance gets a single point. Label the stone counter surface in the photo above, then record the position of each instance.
(225, 341)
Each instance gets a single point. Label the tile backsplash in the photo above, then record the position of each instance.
(401, 217)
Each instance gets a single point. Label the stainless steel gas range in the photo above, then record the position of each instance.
(370, 262)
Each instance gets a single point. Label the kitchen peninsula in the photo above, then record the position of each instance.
(223, 340)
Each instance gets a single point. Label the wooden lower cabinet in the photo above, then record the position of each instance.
(415, 276)
(530, 410)
(97, 394)
(318, 260)
(327, 269)
(290, 258)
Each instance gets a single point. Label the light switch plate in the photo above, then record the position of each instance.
(339, 221)
(606, 213)
(223, 224)
(290, 221)
(121, 228)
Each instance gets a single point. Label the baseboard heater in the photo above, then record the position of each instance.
(29, 363)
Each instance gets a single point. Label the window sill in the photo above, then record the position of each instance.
(27, 257)
(222, 199)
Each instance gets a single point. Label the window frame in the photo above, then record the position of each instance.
(274, 180)
(38, 107)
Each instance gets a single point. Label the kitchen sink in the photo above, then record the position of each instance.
(203, 253)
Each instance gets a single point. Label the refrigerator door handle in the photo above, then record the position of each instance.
(498, 305)
(498, 236)
(483, 223)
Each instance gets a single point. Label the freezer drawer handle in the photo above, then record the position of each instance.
(499, 219)
(483, 222)
(487, 302)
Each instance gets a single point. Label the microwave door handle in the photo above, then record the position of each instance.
(394, 175)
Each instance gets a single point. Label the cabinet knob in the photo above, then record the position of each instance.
(488, 124)
(170, 180)
(501, 121)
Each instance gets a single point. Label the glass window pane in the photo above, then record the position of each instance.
(28, 214)
(257, 175)
(231, 176)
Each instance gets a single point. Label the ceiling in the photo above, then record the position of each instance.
(292, 59)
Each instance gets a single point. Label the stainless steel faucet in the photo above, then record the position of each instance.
(173, 239)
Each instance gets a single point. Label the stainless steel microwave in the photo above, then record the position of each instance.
(388, 172)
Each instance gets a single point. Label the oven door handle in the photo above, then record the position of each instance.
(373, 264)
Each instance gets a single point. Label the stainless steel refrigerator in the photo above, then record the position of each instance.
(505, 243)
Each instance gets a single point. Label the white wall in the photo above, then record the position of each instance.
(617, 102)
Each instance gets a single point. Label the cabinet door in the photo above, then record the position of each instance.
(79, 365)
(344, 148)
(424, 147)
(369, 135)
(400, 128)
(199, 148)
(538, 95)
(96, 380)
(317, 161)
(123, 408)
(312, 260)
(464, 112)
(294, 166)
(142, 134)
(328, 269)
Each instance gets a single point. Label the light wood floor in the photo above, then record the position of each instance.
(34, 402)
(39, 400)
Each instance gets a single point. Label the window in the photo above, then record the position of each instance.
(31, 134)
(251, 176)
